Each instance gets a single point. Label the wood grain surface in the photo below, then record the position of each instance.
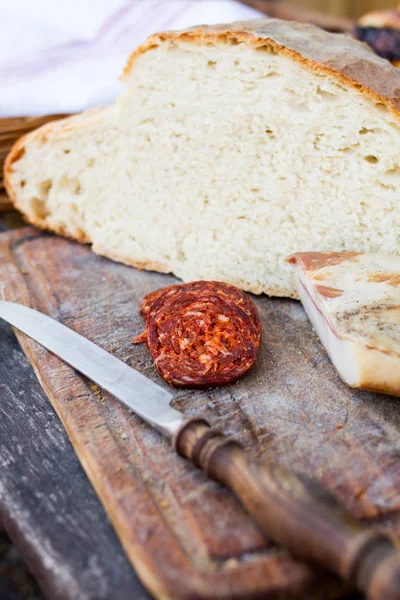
(186, 536)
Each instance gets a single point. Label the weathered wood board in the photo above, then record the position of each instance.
(47, 505)
(185, 535)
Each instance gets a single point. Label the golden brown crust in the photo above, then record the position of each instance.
(351, 62)
(389, 18)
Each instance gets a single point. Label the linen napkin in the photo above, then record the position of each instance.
(64, 57)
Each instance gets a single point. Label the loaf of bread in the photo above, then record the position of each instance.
(232, 147)
(353, 302)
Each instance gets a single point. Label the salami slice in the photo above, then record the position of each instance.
(201, 334)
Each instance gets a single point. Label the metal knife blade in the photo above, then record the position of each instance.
(145, 398)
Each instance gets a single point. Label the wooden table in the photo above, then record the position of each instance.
(47, 504)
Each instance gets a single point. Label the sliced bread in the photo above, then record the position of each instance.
(232, 147)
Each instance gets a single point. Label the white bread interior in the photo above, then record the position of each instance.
(218, 161)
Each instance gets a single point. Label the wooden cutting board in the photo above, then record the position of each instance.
(186, 536)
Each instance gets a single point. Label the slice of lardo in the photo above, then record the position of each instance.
(353, 302)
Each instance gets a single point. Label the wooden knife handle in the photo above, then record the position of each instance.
(297, 512)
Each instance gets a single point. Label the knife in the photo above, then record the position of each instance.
(293, 510)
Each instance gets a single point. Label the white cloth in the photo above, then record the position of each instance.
(64, 57)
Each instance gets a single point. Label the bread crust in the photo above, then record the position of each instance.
(349, 61)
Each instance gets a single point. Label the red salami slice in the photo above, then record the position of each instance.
(200, 334)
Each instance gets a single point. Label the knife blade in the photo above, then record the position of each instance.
(150, 401)
(293, 510)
